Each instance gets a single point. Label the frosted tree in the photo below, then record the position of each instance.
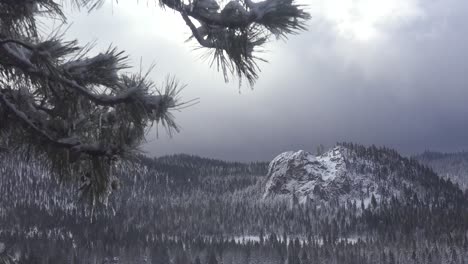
(82, 113)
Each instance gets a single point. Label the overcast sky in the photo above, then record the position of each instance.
(386, 72)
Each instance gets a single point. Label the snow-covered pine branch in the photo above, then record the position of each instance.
(232, 33)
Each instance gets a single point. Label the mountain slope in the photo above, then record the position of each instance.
(453, 166)
(352, 172)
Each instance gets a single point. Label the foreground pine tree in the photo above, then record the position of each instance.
(81, 113)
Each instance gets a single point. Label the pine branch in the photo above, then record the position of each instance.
(53, 73)
(232, 34)
(94, 149)
(196, 33)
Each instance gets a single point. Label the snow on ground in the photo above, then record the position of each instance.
(303, 240)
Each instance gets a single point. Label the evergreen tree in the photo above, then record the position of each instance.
(304, 258)
(373, 201)
(212, 258)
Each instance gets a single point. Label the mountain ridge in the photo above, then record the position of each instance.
(351, 172)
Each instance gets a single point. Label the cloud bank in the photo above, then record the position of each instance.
(384, 72)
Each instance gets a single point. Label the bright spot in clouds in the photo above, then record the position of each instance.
(365, 20)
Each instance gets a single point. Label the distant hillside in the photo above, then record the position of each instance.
(453, 166)
(183, 167)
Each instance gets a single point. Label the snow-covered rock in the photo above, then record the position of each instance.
(334, 174)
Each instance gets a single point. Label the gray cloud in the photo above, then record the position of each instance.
(405, 89)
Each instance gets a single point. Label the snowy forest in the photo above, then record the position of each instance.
(187, 209)
(75, 186)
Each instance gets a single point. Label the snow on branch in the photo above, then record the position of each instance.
(73, 143)
(99, 70)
